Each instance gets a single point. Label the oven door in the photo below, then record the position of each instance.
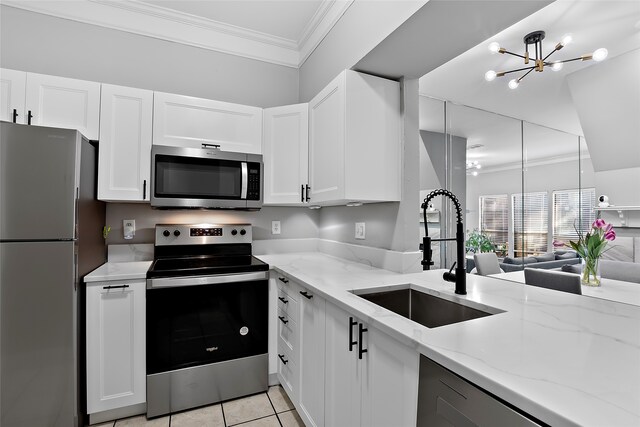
(205, 178)
(194, 321)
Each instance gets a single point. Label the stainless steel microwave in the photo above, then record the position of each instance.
(205, 178)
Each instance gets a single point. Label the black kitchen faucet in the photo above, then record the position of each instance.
(460, 275)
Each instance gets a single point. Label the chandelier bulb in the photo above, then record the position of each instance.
(600, 54)
(474, 173)
(494, 47)
(490, 75)
(513, 84)
(557, 66)
(566, 39)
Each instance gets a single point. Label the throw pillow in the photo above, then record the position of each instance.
(520, 261)
(508, 260)
(545, 257)
(566, 255)
(572, 268)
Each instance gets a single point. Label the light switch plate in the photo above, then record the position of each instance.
(360, 231)
(275, 227)
(128, 228)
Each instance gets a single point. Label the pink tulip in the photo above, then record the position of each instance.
(598, 223)
(558, 243)
(610, 235)
(608, 228)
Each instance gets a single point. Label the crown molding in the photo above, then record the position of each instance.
(327, 15)
(145, 19)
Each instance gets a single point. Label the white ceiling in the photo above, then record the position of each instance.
(283, 32)
(287, 19)
(542, 98)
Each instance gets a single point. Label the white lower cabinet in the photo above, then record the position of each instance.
(116, 367)
(311, 362)
(371, 379)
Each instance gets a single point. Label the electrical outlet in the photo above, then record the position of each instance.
(129, 228)
(360, 230)
(275, 227)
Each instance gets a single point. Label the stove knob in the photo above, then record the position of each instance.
(243, 232)
(176, 233)
(166, 233)
(234, 232)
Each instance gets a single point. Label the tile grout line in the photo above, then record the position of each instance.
(224, 419)
(274, 408)
(250, 421)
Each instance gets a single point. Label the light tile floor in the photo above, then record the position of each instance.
(270, 409)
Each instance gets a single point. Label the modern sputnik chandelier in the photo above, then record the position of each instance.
(539, 60)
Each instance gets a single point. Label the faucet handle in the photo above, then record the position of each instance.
(450, 276)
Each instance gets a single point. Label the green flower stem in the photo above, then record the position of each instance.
(589, 275)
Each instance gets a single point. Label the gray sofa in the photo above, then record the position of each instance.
(549, 260)
(615, 270)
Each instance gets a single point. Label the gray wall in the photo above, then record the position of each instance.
(294, 222)
(48, 45)
(362, 27)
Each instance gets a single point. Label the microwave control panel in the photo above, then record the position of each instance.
(253, 187)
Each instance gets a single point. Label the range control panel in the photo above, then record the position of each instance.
(199, 234)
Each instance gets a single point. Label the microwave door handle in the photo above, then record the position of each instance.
(245, 178)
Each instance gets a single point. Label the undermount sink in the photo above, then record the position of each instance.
(424, 308)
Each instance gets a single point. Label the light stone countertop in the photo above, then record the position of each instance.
(566, 359)
(119, 271)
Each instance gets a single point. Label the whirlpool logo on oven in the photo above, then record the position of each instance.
(211, 349)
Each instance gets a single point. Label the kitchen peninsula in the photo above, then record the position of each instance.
(563, 359)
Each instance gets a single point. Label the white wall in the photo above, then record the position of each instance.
(48, 45)
(362, 27)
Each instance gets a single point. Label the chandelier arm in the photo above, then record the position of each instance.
(580, 58)
(526, 74)
(502, 73)
(550, 53)
(515, 54)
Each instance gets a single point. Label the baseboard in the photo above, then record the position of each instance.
(115, 414)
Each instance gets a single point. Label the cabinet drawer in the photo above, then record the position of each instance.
(287, 372)
(288, 305)
(287, 331)
(288, 286)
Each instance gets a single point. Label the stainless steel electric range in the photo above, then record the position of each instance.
(207, 317)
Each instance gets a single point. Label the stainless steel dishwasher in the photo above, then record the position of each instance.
(445, 400)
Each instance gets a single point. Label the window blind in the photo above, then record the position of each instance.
(573, 210)
(494, 218)
(530, 223)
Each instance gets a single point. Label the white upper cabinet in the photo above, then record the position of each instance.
(185, 121)
(126, 116)
(12, 89)
(63, 103)
(354, 140)
(286, 155)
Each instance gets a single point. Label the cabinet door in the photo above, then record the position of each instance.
(326, 142)
(311, 360)
(185, 121)
(286, 154)
(64, 103)
(116, 369)
(390, 382)
(125, 144)
(12, 90)
(342, 381)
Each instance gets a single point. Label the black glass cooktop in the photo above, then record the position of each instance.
(205, 265)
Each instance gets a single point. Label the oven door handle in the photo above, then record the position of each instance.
(175, 282)
(245, 181)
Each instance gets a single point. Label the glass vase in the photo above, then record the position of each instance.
(590, 272)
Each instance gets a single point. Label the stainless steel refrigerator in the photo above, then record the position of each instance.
(50, 237)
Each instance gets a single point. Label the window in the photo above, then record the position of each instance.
(494, 220)
(530, 223)
(573, 209)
